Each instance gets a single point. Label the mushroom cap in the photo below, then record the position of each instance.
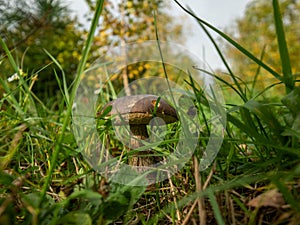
(140, 109)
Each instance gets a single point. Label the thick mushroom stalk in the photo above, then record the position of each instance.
(137, 111)
(139, 132)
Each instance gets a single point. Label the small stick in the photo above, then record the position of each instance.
(174, 197)
(186, 220)
(213, 169)
(199, 188)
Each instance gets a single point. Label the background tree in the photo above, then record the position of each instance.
(133, 21)
(256, 32)
(30, 28)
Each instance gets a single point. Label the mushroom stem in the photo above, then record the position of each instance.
(143, 158)
(139, 131)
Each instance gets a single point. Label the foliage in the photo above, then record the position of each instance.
(256, 31)
(133, 21)
(32, 28)
(130, 21)
(39, 28)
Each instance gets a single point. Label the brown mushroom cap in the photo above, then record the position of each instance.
(140, 109)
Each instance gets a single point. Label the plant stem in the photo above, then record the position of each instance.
(80, 69)
(283, 49)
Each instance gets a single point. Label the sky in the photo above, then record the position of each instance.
(219, 13)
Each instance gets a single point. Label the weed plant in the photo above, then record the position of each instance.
(255, 178)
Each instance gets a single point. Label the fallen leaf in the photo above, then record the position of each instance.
(271, 198)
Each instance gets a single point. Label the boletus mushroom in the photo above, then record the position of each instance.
(138, 111)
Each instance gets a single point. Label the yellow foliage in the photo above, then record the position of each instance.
(147, 66)
(129, 4)
(141, 68)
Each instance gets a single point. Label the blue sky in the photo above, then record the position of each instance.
(220, 13)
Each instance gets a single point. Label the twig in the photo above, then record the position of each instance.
(199, 188)
(76, 166)
(213, 169)
(174, 198)
(166, 215)
(232, 210)
(186, 220)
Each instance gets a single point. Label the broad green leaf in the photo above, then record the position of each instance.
(292, 101)
(92, 196)
(116, 206)
(76, 218)
(121, 200)
(5, 179)
(33, 199)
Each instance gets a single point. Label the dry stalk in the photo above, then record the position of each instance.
(174, 198)
(187, 218)
(199, 188)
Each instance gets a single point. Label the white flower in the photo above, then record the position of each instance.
(74, 106)
(97, 91)
(13, 77)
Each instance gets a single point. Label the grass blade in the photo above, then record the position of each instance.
(62, 86)
(76, 83)
(216, 209)
(283, 49)
(267, 115)
(286, 193)
(17, 71)
(242, 95)
(234, 43)
(257, 72)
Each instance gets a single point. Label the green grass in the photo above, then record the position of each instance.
(44, 178)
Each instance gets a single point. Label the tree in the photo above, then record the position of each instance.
(256, 32)
(133, 21)
(32, 28)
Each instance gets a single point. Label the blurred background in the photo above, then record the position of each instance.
(38, 31)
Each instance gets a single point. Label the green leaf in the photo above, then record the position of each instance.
(292, 101)
(33, 199)
(105, 112)
(296, 125)
(93, 197)
(283, 49)
(246, 116)
(247, 129)
(5, 179)
(265, 114)
(76, 218)
(116, 206)
(216, 208)
(121, 199)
